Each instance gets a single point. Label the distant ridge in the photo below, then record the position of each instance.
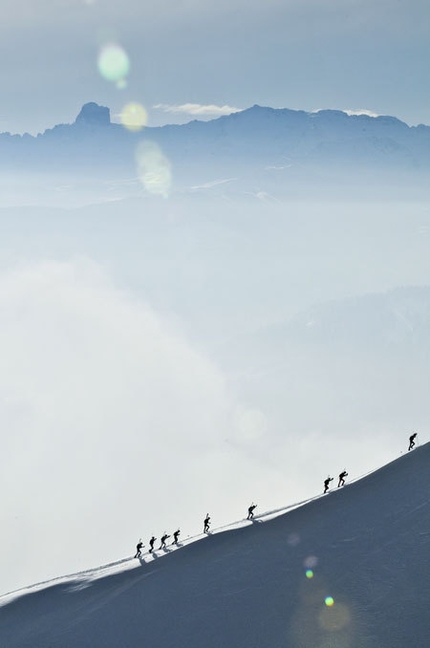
(92, 112)
(266, 150)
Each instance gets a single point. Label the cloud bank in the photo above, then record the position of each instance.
(350, 112)
(111, 425)
(200, 110)
(361, 111)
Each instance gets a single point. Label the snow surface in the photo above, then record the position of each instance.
(249, 584)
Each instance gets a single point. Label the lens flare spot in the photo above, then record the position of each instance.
(113, 63)
(251, 424)
(134, 117)
(153, 169)
(293, 539)
(310, 562)
(329, 601)
(309, 573)
(334, 619)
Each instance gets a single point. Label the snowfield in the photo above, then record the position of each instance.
(343, 570)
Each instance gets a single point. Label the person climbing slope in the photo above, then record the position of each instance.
(251, 511)
(206, 523)
(139, 549)
(176, 536)
(342, 476)
(327, 483)
(412, 441)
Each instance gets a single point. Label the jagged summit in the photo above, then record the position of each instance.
(94, 115)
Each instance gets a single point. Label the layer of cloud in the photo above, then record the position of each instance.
(350, 112)
(111, 425)
(361, 111)
(197, 110)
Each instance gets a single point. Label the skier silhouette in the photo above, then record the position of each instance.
(163, 540)
(206, 523)
(138, 549)
(251, 511)
(412, 441)
(327, 483)
(151, 544)
(176, 536)
(342, 478)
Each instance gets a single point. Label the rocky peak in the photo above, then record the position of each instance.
(94, 115)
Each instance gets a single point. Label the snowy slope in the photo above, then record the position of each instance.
(366, 544)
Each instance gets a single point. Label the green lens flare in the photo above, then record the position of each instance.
(153, 169)
(113, 63)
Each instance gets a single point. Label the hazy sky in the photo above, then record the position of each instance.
(195, 57)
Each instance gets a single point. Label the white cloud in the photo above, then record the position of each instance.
(111, 425)
(201, 110)
(361, 111)
(347, 111)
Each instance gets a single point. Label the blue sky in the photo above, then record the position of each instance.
(304, 54)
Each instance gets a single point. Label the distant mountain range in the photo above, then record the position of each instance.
(260, 148)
